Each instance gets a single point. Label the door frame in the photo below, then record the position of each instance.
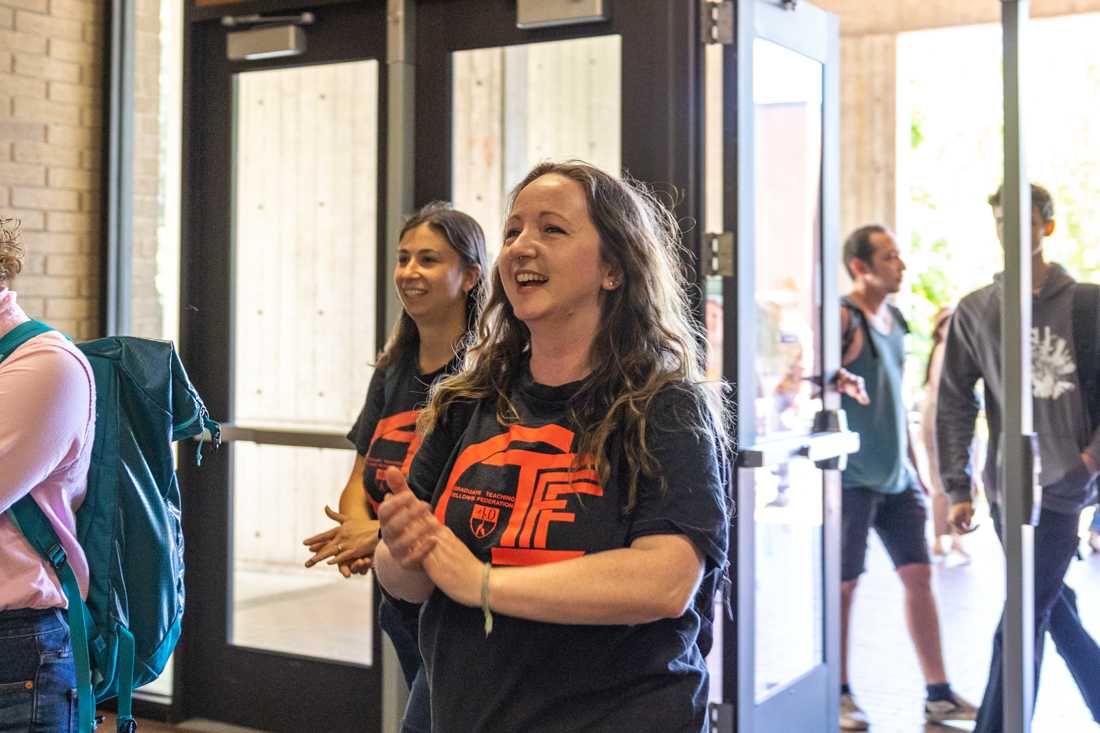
(254, 688)
(815, 34)
(662, 70)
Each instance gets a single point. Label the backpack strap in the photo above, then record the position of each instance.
(899, 318)
(32, 522)
(1086, 345)
(29, 519)
(19, 335)
(856, 320)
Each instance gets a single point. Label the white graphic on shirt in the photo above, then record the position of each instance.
(1051, 363)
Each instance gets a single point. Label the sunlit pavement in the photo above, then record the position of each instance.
(885, 675)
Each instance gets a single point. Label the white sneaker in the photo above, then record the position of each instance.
(958, 708)
(851, 716)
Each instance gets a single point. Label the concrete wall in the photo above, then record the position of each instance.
(868, 119)
(861, 17)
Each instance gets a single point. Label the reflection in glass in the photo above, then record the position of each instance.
(305, 192)
(788, 512)
(787, 90)
(789, 576)
(519, 105)
(278, 604)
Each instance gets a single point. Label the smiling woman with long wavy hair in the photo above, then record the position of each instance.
(566, 517)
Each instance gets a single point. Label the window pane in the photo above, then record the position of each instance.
(789, 574)
(519, 105)
(787, 89)
(305, 220)
(278, 604)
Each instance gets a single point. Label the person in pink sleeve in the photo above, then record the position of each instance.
(47, 421)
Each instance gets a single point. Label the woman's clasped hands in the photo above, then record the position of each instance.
(349, 545)
(418, 541)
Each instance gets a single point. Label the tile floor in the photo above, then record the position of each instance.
(885, 675)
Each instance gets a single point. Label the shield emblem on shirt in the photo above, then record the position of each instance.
(483, 520)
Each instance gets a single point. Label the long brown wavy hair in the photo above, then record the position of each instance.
(648, 342)
(11, 251)
(467, 239)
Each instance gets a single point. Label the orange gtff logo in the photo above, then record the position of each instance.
(544, 483)
(398, 428)
(483, 520)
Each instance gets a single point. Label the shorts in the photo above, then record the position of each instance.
(899, 520)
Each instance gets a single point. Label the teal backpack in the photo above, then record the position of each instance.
(129, 523)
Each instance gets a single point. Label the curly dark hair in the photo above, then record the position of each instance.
(11, 251)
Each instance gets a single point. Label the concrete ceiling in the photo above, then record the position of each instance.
(862, 17)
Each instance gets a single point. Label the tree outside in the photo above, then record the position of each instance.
(950, 98)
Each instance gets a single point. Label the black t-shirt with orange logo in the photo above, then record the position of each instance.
(385, 431)
(385, 435)
(516, 496)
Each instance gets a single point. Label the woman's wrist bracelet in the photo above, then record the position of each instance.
(485, 598)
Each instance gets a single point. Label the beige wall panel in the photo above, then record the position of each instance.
(868, 123)
(522, 105)
(477, 157)
(305, 268)
(862, 17)
(574, 101)
(147, 312)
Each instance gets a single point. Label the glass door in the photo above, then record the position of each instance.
(782, 349)
(494, 99)
(280, 323)
(623, 93)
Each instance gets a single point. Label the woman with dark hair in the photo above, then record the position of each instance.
(566, 518)
(47, 422)
(440, 265)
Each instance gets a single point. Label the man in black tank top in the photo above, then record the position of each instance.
(882, 488)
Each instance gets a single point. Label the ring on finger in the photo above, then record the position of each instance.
(339, 548)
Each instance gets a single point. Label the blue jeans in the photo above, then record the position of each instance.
(37, 676)
(1095, 526)
(1055, 611)
(401, 622)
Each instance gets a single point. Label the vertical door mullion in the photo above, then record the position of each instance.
(1016, 476)
(830, 353)
(740, 291)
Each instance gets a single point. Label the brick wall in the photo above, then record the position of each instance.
(50, 142)
(146, 304)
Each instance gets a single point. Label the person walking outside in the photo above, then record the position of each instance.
(881, 486)
(1069, 450)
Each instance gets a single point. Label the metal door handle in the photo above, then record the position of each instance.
(269, 436)
(828, 446)
(818, 447)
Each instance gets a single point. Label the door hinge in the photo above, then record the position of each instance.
(717, 20)
(719, 251)
(720, 717)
